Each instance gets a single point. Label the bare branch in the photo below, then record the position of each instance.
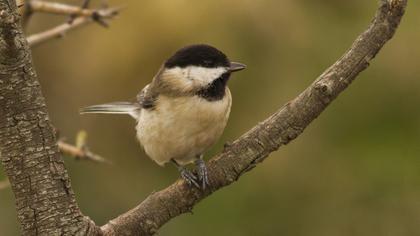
(59, 8)
(279, 129)
(61, 30)
(80, 152)
(85, 5)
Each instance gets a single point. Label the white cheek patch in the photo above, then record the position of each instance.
(205, 75)
(198, 74)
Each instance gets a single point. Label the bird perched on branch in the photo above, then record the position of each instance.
(184, 110)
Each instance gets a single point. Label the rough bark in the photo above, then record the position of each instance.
(279, 129)
(45, 202)
(29, 153)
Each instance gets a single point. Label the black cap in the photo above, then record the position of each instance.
(198, 55)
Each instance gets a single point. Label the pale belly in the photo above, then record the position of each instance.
(182, 128)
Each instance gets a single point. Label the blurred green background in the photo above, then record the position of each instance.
(354, 171)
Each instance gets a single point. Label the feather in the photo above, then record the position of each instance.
(114, 108)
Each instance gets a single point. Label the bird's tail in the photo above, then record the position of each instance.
(113, 108)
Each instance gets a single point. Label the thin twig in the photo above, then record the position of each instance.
(78, 153)
(85, 5)
(61, 30)
(59, 8)
(82, 153)
(80, 150)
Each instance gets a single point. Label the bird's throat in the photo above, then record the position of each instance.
(216, 90)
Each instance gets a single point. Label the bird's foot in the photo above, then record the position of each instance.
(189, 177)
(202, 173)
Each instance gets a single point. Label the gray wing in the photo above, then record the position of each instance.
(147, 97)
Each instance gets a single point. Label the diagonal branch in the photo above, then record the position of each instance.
(60, 30)
(279, 129)
(59, 8)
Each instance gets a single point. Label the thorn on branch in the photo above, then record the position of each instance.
(85, 5)
(99, 19)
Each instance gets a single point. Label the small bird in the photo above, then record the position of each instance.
(184, 110)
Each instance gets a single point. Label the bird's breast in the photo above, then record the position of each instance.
(182, 127)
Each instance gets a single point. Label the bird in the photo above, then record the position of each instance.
(183, 111)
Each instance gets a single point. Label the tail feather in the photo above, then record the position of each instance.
(113, 108)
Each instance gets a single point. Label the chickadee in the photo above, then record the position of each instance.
(184, 110)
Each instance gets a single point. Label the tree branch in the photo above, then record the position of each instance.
(59, 8)
(279, 129)
(80, 153)
(60, 30)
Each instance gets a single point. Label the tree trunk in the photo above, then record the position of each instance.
(45, 202)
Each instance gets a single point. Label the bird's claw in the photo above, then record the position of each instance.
(202, 173)
(186, 175)
(189, 177)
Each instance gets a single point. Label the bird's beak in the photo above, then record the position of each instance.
(236, 66)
